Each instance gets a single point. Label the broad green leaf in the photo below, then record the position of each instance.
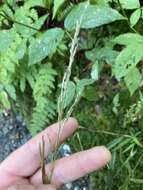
(93, 16)
(102, 2)
(6, 38)
(91, 93)
(45, 45)
(135, 16)
(57, 5)
(1, 88)
(130, 4)
(128, 38)
(11, 2)
(25, 19)
(95, 71)
(33, 3)
(81, 84)
(21, 49)
(70, 93)
(128, 58)
(7, 11)
(133, 79)
(38, 23)
(28, 21)
(106, 54)
(11, 91)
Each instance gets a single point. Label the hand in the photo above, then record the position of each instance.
(21, 170)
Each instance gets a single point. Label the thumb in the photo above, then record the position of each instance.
(31, 187)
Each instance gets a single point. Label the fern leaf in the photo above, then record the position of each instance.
(44, 112)
(44, 82)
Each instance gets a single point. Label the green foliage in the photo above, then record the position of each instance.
(6, 38)
(43, 112)
(81, 84)
(133, 79)
(28, 17)
(135, 17)
(71, 90)
(45, 45)
(134, 113)
(127, 60)
(95, 71)
(33, 3)
(94, 16)
(35, 44)
(130, 4)
(57, 5)
(102, 54)
(44, 81)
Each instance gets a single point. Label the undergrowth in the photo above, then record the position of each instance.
(35, 39)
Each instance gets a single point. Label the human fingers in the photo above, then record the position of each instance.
(78, 165)
(31, 187)
(26, 160)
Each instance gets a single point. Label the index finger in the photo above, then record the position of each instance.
(26, 160)
(75, 166)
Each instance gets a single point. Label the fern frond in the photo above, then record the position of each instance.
(9, 59)
(44, 81)
(45, 109)
(43, 113)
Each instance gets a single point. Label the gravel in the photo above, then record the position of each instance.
(13, 134)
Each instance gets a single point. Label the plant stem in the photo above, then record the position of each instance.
(61, 100)
(45, 179)
(14, 21)
(125, 15)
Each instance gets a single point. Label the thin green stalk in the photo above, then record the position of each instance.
(61, 100)
(104, 132)
(14, 21)
(45, 178)
(125, 15)
(137, 181)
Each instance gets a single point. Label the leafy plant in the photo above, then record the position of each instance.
(27, 50)
(36, 42)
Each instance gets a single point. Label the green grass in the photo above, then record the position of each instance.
(100, 126)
